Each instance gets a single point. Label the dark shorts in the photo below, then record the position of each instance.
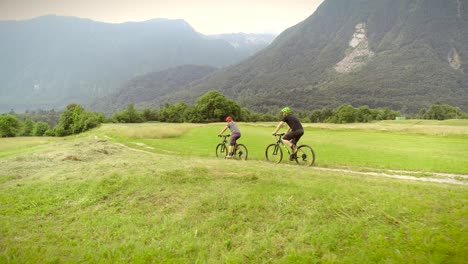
(294, 136)
(234, 136)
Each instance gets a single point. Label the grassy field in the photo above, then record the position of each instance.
(155, 193)
(414, 146)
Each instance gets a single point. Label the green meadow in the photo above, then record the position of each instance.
(155, 192)
(426, 147)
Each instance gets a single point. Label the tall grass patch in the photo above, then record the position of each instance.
(130, 206)
(151, 130)
(175, 202)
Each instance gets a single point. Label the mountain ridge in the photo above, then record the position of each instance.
(50, 61)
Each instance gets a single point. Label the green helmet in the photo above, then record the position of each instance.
(286, 110)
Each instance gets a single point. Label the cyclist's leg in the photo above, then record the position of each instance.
(297, 136)
(233, 142)
(291, 139)
(231, 147)
(287, 139)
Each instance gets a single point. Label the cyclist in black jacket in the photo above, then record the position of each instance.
(295, 131)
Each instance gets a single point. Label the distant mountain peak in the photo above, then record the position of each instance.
(181, 22)
(248, 42)
(54, 17)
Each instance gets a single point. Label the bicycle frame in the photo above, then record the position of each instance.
(304, 155)
(279, 143)
(239, 151)
(224, 143)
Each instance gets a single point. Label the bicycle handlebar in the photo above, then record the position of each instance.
(279, 135)
(224, 135)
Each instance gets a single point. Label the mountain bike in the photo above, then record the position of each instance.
(305, 155)
(238, 152)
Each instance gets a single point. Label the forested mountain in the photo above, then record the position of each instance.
(146, 90)
(51, 61)
(403, 54)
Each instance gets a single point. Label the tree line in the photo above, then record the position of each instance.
(211, 107)
(73, 120)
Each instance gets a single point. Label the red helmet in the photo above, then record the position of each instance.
(229, 119)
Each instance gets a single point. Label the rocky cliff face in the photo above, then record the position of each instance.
(459, 8)
(358, 53)
(454, 59)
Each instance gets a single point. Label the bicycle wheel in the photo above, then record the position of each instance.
(305, 155)
(221, 151)
(274, 153)
(241, 152)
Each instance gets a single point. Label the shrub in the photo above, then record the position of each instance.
(344, 114)
(28, 127)
(214, 107)
(40, 128)
(59, 131)
(49, 133)
(75, 120)
(129, 115)
(9, 126)
(442, 112)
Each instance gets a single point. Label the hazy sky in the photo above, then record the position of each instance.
(206, 16)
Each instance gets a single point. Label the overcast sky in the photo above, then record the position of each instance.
(206, 16)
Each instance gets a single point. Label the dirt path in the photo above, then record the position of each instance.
(406, 175)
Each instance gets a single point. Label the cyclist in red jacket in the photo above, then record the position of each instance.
(235, 134)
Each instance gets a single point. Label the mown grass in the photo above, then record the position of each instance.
(356, 146)
(14, 146)
(112, 204)
(152, 130)
(427, 127)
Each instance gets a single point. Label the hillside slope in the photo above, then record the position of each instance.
(51, 61)
(402, 54)
(145, 90)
